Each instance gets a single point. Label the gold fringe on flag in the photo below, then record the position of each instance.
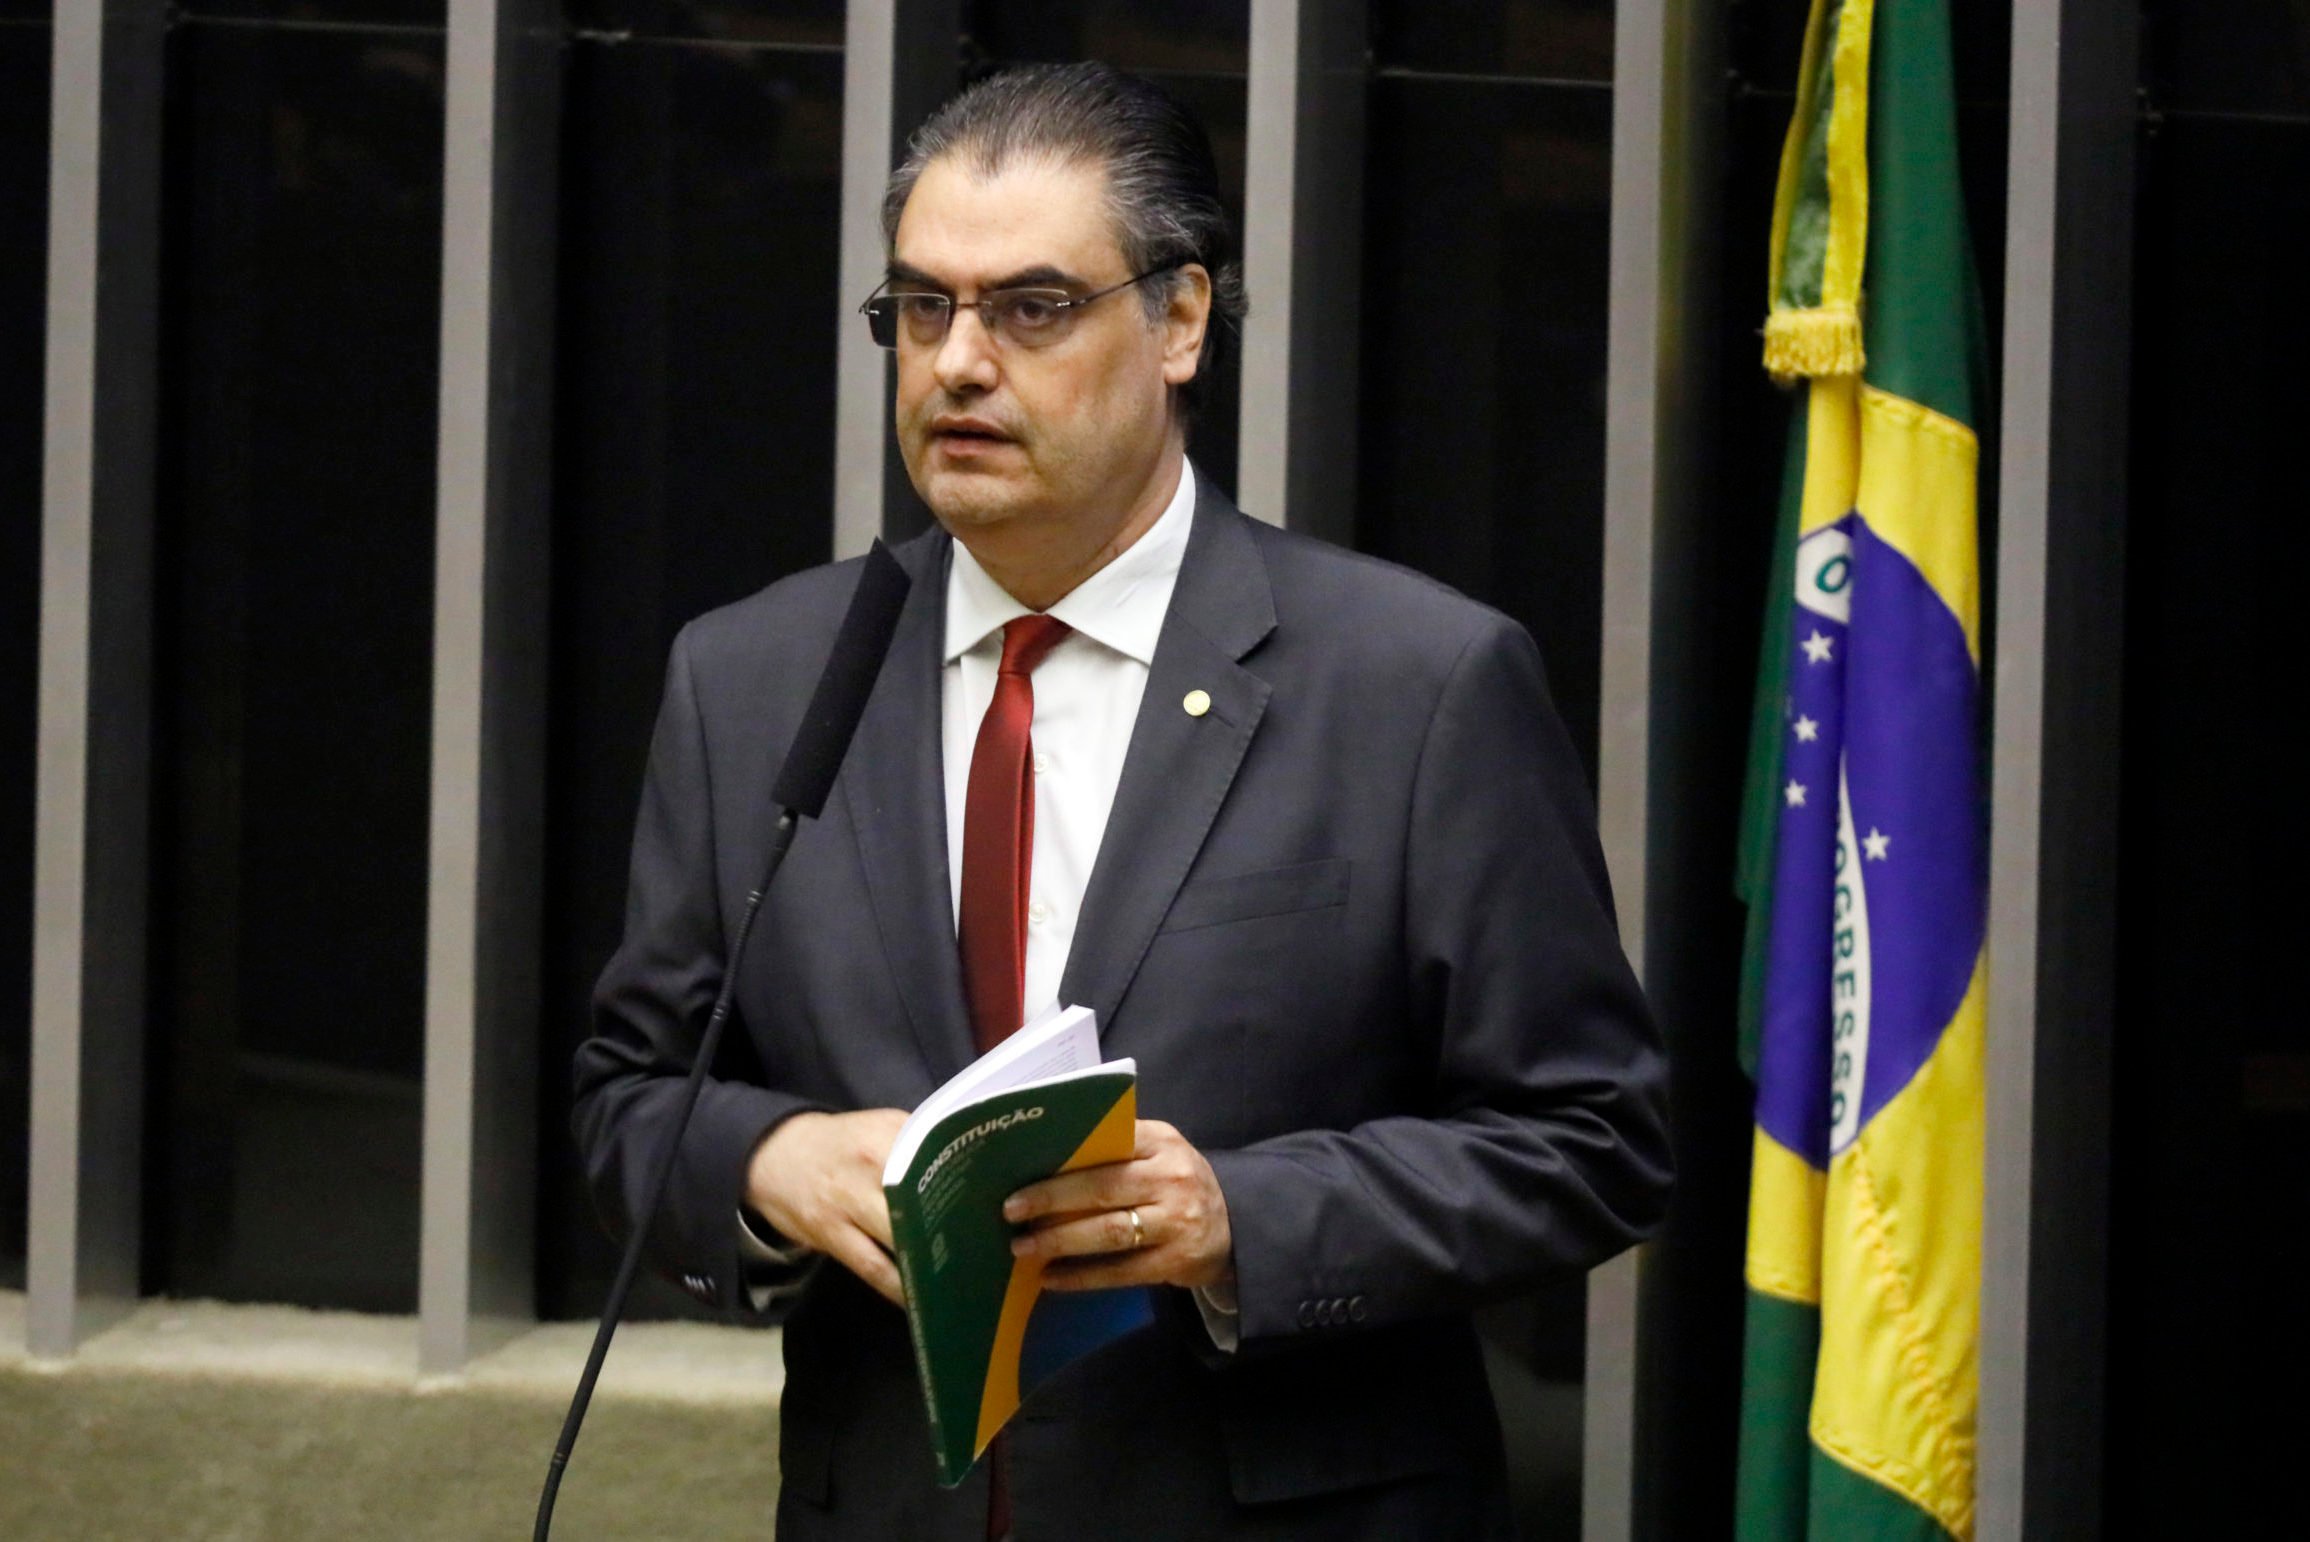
(1823, 338)
(1807, 344)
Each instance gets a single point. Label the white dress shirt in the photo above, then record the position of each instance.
(1087, 693)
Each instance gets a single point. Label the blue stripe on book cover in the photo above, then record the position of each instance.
(1065, 1326)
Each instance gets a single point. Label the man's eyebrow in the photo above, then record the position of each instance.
(907, 273)
(1042, 275)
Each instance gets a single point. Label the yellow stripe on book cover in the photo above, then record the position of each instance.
(1115, 1138)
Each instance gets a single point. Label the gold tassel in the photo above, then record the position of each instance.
(1810, 344)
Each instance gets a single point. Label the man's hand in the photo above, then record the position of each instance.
(1081, 1222)
(817, 1178)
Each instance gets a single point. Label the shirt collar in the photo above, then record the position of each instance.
(1121, 606)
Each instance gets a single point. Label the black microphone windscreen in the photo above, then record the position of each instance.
(824, 737)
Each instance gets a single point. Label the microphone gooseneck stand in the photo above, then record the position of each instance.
(803, 784)
(661, 1173)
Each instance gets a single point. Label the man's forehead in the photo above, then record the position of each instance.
(968, 228)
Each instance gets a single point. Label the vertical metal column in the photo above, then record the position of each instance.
(1303, 264)
(95, 713)
(489, 678)
(1661, 544)
(899, 61)
(2052, 850)
(1633, 442)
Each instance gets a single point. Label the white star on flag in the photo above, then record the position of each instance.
(1807, 730)
(1796, 794)
(1817, 649)
(1876, 843)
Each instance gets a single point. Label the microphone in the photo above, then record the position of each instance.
(827, 727)
(832, 717)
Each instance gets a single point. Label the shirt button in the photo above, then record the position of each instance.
(1037, 914)
(1042, 764)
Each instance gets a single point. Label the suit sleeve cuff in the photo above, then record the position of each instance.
(770, 1268)
(1222, 1317)
(761, 1244)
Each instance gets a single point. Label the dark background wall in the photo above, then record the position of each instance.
(1487, 192)
(2210, 1135)
(701, 184)
(1487, 213)
(293, 680)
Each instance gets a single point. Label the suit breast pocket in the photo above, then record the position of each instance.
(1242, 993)
(1274, 891)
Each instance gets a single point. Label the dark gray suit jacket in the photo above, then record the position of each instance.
(1354, 926)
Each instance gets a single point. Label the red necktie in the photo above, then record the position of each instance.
(999, 838)
(998, 862)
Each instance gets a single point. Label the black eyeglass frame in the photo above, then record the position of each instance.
(881, 310)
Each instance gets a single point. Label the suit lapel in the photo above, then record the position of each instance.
(894, 786)
(1180, 764)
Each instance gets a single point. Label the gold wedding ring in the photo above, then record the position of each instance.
(1138, 1231)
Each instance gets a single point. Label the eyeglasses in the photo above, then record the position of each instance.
(1019, 318)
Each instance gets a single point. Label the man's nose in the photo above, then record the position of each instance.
(965, 360)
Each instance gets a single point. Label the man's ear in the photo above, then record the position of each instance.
(1183, 323)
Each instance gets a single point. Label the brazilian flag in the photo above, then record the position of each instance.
(1864, 840)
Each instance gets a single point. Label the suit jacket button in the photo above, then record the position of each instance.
(1334, 1312)
(1356, 1310)
(1307, 1314)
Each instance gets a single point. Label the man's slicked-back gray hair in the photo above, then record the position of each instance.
(1162, 183)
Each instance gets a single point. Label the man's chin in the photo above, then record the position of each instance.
(971, 499)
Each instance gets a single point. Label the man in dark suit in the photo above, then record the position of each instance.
(1301, 827)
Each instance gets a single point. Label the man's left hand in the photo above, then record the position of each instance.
(1081, 1222)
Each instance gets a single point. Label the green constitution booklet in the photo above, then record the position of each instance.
(985, 1332)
